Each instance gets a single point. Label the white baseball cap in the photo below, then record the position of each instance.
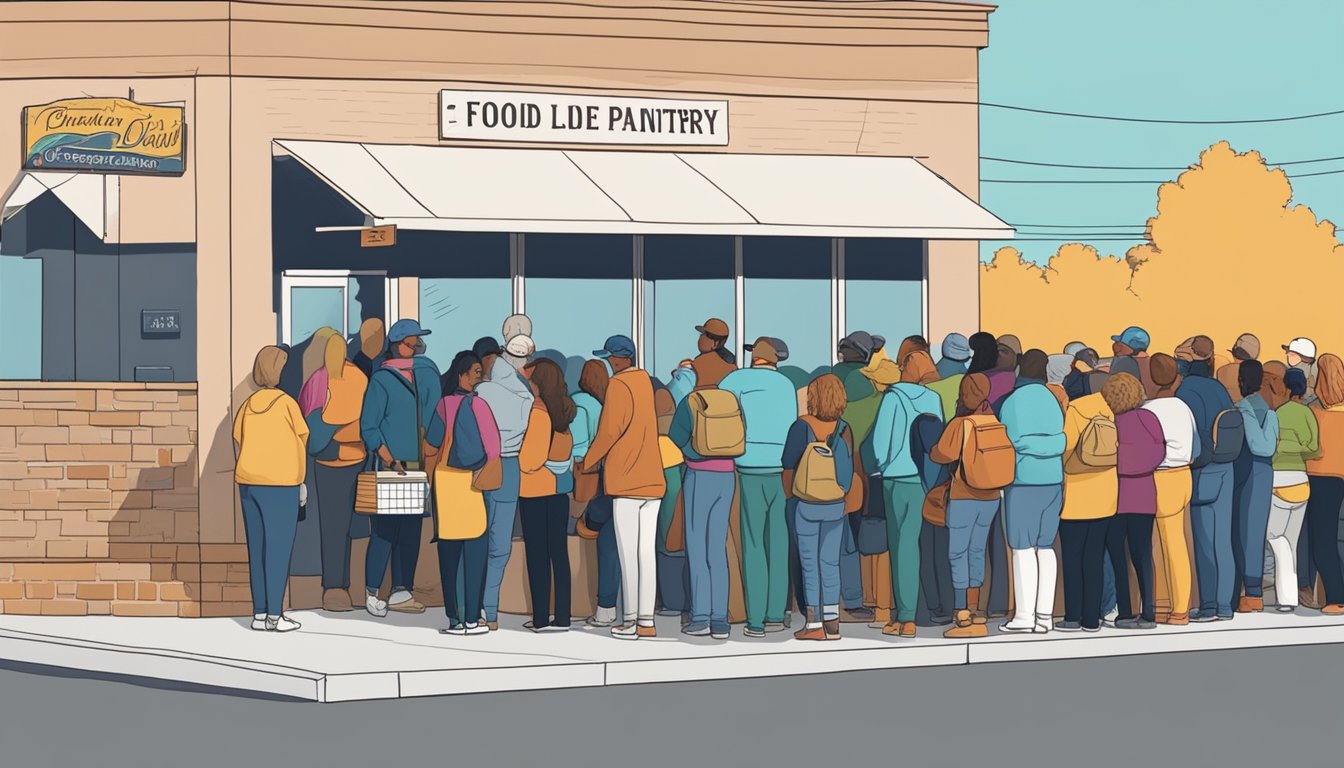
(521, 346)
(1303, 347)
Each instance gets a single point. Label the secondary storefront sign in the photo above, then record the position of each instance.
(105, 136)
(578, 119)
(378, 237)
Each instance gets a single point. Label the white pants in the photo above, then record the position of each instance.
(1285, 525)
(636, 522)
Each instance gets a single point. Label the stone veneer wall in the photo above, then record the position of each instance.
(99, 507)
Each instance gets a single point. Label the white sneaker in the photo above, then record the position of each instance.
(476, 629)
(604, 617)
(1012, 625)
(1109, 619)
(259, 622)
(281, 623)
(375, 607)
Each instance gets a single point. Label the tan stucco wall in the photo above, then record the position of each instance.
(878, 78)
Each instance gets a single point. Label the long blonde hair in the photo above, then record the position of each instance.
(315, 355)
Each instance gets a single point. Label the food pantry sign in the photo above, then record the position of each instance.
(577, 119)
(105, 136)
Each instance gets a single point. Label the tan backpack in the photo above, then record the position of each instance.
(1098, 446)
(717, 428)
(988, 461)
(815, 478)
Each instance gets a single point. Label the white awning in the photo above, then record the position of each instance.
(546, 190)
(85, 194)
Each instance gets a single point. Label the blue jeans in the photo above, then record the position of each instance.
(501, 508)
(461, 571)
(1031, 515)
(968, 522)
(708, 501)
(270, 518)
(395, 538)
(598, 517)
(820, 528)
(1211, 522)
(1108, 597)
(851, 569)
(1251, 526)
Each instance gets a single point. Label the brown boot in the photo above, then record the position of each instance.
(973, 604)
(963, 626)
(1251, 605)
(1307, 597)
(832, 629)
(336, 601)
(809, 632)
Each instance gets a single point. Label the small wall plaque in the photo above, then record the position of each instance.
(160, 323)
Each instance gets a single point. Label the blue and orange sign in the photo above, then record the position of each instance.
(105, 136)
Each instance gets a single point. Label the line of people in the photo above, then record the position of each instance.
(932, 472)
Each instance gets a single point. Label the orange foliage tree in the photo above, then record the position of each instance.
(1226, 254)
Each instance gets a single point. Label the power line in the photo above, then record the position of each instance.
(1138, 167)
(1074, 226)
(1066, 239)
(1160, 120)
(1129, 181)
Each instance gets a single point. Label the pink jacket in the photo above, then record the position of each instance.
(1142, 449)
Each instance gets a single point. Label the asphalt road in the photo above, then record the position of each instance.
(1277, 706)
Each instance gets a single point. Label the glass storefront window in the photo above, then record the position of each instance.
(884, 288)
(688, 279)
(788, 296)
(20, 307)
(468, 295)
(314, 307)
(577, 293)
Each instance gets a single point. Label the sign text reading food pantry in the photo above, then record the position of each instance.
(577, 119)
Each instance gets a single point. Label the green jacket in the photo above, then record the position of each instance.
(1299, 437)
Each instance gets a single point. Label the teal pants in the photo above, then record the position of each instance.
(904, 499)
(765, 549)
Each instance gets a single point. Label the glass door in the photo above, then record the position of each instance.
(335, 299)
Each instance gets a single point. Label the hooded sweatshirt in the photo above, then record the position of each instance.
(769, 407)
(1035, 425)
(627, 439)
(587, 411)
(901, 405)
(272, 441)
(1087, 495)
(510, 399)
(388, 417)
(1299, 437)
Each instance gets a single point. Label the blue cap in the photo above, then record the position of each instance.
(404, 329)
(956, 348)
(1133, 337)
(617, 346)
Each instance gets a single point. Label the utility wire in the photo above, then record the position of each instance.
(1137, 167)
(1118, 118)
(1129, 181)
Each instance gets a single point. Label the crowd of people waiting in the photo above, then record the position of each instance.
(924, 468)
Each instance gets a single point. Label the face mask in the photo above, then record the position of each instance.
(420, 347)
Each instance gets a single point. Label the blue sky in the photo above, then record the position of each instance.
(1152, 59)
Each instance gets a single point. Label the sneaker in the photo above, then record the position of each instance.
(1044, 623)
(718, 633)
(281, 623)
(771, 627)
(401, 601)
(475, 629)
(1221, 617)
(1202, 618)
(1010, 627)
(1068, 626)
(456, 628)
(667, 612)
(375, 606)
(605, 617)
(750, 632)
(1109, 619)
(626, 631)
(1285, 608)
(549, 628)
(1130, 623)
(696, 630)
(259, 622)
(1142, 623)
(1091, 629)
(530, 627)
(940, 621)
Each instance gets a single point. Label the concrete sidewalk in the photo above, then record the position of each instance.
(350, 657)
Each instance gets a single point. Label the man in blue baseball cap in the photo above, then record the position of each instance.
(398, 405)
(1131, 356)
(626, 440)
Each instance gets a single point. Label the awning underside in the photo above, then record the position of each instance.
(542, 190)
(82, 193)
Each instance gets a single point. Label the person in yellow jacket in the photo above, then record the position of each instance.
(1090, 496)
(272, 440)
